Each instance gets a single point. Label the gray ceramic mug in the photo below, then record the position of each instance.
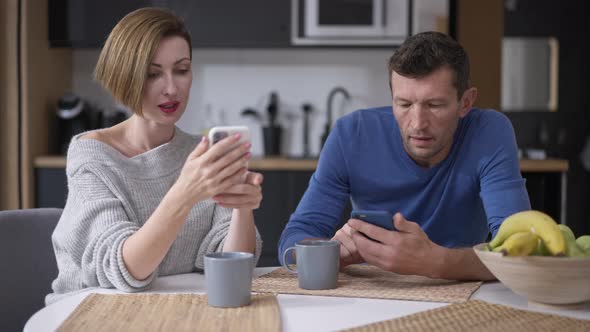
(318, 263)
(228, 278)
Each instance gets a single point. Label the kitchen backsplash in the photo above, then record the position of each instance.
(227, 81)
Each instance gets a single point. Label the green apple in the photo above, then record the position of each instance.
(573, 250)
(584, 242)
(567, 232)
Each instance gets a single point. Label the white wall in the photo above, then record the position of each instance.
(227, 81)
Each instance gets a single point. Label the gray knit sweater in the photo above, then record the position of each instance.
(110, 197)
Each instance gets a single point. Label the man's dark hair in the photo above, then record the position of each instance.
(423, 53)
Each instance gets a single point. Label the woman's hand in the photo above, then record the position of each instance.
(208, 172)
(245, 196)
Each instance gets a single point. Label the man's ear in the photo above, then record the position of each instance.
(468, 100)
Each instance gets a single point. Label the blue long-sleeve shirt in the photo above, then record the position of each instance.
(456, 202)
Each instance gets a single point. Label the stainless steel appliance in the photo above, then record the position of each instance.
(371, 22)
(530, 73)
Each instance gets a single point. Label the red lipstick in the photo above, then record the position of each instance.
(169, 107)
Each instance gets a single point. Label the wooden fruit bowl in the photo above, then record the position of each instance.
(543, 279)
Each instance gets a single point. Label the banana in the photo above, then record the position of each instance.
(518, 244)
(537, 223)
(540, 250)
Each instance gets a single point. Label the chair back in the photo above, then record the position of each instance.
(28, 263)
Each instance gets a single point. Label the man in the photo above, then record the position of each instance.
(449, 171)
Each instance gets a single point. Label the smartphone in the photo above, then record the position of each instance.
(379, 218)
(216, 134)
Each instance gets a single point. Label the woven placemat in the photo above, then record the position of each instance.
(480, 316)
(171, 312)
(371, 282)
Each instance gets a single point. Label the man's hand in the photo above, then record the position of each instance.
(405, 251)
(348, 252)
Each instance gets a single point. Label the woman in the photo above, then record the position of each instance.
(134, 210)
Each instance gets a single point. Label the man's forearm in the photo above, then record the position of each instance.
(460, 264)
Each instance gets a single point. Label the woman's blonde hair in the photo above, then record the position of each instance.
(124, 61)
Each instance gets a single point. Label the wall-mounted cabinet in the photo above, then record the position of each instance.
(259, 23)
(211, 23)
(235, 23)
(85, 23)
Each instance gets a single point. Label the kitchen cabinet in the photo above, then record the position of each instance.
(285, 182)
(211, 23)
(282, 190)
(568, 127)
(274, 212)
(51, 187)
(83, 23)
(252, 23)
(235, 23)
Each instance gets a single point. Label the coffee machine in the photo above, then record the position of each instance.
(74, 116)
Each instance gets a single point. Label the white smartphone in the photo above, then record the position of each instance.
(216, 134)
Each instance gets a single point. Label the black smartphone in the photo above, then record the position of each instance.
(383, 219)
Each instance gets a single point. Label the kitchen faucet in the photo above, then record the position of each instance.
(331, 95)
